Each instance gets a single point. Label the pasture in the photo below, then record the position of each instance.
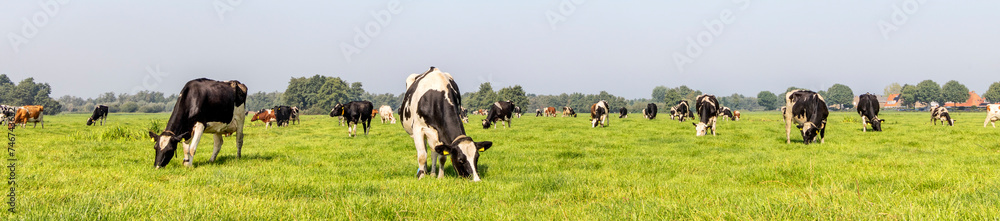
(543, 168)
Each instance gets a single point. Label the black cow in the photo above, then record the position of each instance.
(538, 112)
(623, 112)
(430, 114)
(681, 111)
(650, 111)
(868, 109)
(282, 114)
(100, 114)
(355, 112)
(726, 113)
(203, 106)
(807, 109)
(708, 111)
(940, 113)
(599, 114)
(500, 111)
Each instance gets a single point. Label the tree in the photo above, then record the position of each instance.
(954, 92)
(893, 88)
(659, 92)
(672, 98)
(992, 95)
(514, 94)
(768, 100)
(909, 95)
(840, 94)
(928, 91)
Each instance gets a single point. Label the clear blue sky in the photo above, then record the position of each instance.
(86, 48)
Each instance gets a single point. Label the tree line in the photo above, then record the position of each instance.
(27, 92)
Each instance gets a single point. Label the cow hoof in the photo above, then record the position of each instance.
(420, 174)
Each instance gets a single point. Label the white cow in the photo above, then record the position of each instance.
(386, 112)
(992, 114)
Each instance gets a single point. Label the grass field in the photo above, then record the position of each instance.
(541, 169)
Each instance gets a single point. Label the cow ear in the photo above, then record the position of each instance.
(881, 120)
(483, 146)
(153, 136)
(692, 123)
(179, 137)
(443, 149)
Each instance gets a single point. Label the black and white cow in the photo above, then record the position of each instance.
(680, 111)
(940, 113)
(100, 114)
(500, 111)
(295, 115)
(726, 113)
(650, 111)
(7, 113)
(355, 112)
(599, 114)
(708, 112)
(430, 114)
(623, 112)
(568, 111)
(868, 109)
(807, 109)
(282, 115)
(538, 112)
(203, 106)
(517, 111)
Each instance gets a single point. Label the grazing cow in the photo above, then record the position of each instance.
(386, 112)
(623, 112)
(538, 112)
(266, 115)
(736, 114)
(708, 112)
(550, 112)
(355, 112)
(29, 114)
(992, 114)
(650, 111)
(726, 113)
(868, 109)
(681, 111)
(282, 115)
(7, 113)
(430, 114)
(500, 111)
(599, 114)
(568, 111)
(807, 109)
(295, 115)
(100, 113)
(517, 111)
(940, 113)
(203, 106)
(465, 115)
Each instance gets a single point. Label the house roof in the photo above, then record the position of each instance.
(974, 101)
(892, 101)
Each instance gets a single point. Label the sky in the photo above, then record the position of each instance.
(87, 48)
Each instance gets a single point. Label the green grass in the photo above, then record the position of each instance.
(541, 169)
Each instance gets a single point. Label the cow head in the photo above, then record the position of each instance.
(165, 144)
(700, 129)
(877, 124)
(486, 124)
(338, 110)
(464, 154)
(90, 121)
(809, 132)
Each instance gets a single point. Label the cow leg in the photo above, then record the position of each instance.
(368, 125)
(864, 126)
(788, 130)
(418, 142)
(192, 145)
(217, 147)
(713, 128)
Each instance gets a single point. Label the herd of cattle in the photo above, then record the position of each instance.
(432, 114)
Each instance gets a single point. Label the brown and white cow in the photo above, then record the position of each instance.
(550, 112)
(992, 114)
(807, 109)
(737, 114)
(203, 106)
(568, 111)
(599, 114)
(29, 114)
(708, 112)
(940, 113)
(267, 116)
(430, 113)
(386, 113)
